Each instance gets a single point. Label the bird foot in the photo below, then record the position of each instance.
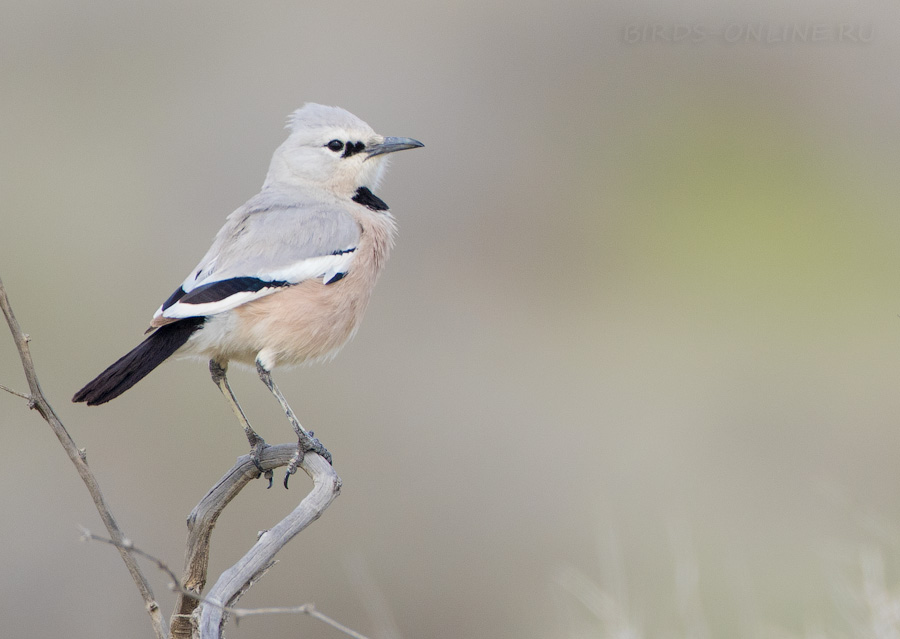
(257, 446)
(307, 443)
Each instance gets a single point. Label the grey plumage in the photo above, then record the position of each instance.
(288, 277)
(276, 236)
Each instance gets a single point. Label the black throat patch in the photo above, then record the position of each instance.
(369, 200)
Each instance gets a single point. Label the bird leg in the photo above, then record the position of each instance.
(257, 443)
(306, 441)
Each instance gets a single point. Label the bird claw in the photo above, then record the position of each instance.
(256, 449)
(313, 445)
(306, 444)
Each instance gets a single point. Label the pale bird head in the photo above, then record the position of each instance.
(332, 148)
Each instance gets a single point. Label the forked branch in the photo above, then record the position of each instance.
(237, 579)
(214, 608)
(234, 581)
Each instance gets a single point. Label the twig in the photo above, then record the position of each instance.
(14, 392)
(305, 609)
(125, 544)
(238, 613)
(37, 400)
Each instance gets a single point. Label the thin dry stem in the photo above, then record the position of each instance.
(38, 401)
(15, 392)
(237, 613)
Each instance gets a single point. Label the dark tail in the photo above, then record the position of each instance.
(136, 365)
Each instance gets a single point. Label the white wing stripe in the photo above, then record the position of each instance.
(324, 266)
(180, 310)
(309, 268)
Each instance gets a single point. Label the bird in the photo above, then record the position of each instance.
(287, 278)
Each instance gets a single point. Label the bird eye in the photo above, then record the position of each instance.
(335, 145)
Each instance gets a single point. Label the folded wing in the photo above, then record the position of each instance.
(266, 245)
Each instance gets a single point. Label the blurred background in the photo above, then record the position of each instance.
(633, 368)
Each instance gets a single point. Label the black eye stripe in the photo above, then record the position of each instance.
(349, 149)
(353, 148)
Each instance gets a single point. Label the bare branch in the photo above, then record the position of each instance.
(238, 613)
(200, 525)
(38, 401)
(204, 516)
(326, 487)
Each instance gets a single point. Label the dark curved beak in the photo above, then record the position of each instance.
(391, 145)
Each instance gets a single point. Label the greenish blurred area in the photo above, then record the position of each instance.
(632, 370)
